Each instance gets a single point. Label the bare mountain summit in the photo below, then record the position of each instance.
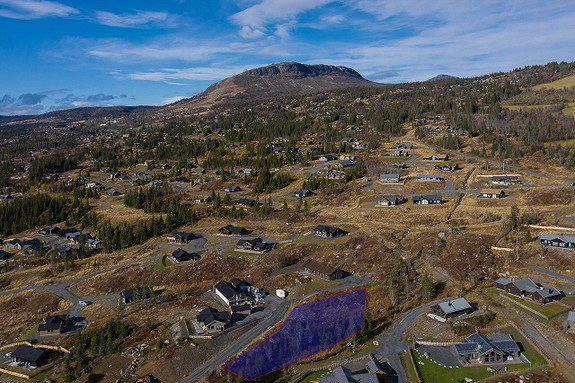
(276, 80)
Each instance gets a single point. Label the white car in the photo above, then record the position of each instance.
(8, 355)
(83, 303)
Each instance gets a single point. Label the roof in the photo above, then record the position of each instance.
(491, 191)
(431, 197)
(320, 268)
(210, 315)
(182, 255)
(226, 290)
(393, 175)
(243, 307)
(562, 237)
(392, 198)
(328, 229)
(496, 341)
(454, 305)
(233, 229)
(29, 354)
(246, 201)
(129, 293)
(4, 255)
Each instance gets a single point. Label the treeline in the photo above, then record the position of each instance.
(125, 235)
(58, 163)
(37, 210)
(153, 200)
(93, 343)
(321, 185)
(267, 182)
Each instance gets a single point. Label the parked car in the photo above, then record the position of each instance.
(8, 355)
(83, 303)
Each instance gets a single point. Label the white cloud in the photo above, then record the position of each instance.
(34, 9)
(251, 33)
(171, 100)
(164, 49)
(138, 19)
(169, 75)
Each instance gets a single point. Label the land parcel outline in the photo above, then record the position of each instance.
(309, 329)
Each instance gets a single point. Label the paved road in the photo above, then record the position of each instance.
(391, 344)
(552, 274)
(273, 318)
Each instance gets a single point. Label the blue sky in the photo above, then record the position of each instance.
(64, 54)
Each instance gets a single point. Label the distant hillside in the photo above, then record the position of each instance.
(442, 77)
(276, 80)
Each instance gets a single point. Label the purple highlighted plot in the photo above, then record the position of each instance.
(308, 330)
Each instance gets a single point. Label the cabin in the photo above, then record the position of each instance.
(180, 255)
(447, 167)
(561, 241)
(428, 178)
(427, 200)
(372, 373)
(393, 200)
(203, 200)
(256, 245)
(303, 193)
(334, 175)
(344, 164)
(436, 157)
(527, 289)
(4, 255)
(50, 230)
(491, 194)
(389, 178)
(233, 230)
(136, 294)
(403, 146)
(180, 237)
(495, 348)
(230, 294)
(247, 202)
(53, 324)
(232, 188)
(505, 180)
(323, 271)
(397, 153)
(327, 158)
(212, 320)
(245, 172)
(329, 231)
(31, 356)
(452, 308)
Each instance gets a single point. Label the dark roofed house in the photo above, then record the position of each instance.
(323, 271)
(527, 289)
(180, 255)
(389, 200)
(203, 200)
(303, 193)
(560, 241)
(32, 356)
(4, 255)
(233, 230)
(427, 200)
(403, 146)
(180, 237)
(246, 202)
(495, 348)
(232, 188)
(256, 245)
(453, 308)
(345, 164)
(327, 158)
(229, 294)
(138, 293)
(372, 373)
(53, 324)
(329, 231)
(213, 320)
(50, 230)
